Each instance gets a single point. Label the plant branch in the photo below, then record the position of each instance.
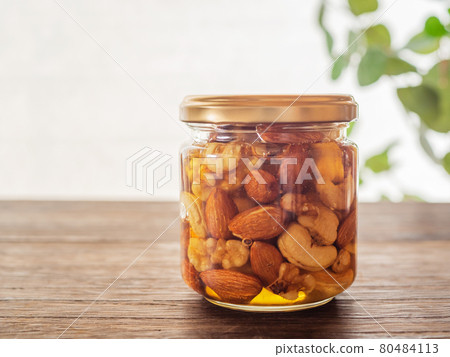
(426, 144)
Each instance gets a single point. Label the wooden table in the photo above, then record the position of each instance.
(56, 258)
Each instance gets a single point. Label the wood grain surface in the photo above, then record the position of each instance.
(56, 259)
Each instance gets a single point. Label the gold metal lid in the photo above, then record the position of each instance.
(228, 109)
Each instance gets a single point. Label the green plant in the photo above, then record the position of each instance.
(371, 54)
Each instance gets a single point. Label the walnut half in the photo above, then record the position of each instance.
(230, 254)
(290, 281)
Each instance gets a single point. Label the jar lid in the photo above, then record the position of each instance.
(228, 109)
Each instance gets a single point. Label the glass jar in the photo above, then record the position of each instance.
(268, 200)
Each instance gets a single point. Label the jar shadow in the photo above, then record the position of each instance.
(327, 321)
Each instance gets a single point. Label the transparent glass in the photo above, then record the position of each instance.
(269, 214)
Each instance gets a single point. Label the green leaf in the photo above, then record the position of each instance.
(426, 146)
(396, 66)
(371, 67)
(423, 43)
(434, 27)
(446, 162)
(350, 127)
(328, 37)
(352, 42)
(412, 198)
(438, 78)
(380, 162)
(359, 7)
(378, 35)
(385, 198)
(338, 66)
(329, 41)
(422, 100)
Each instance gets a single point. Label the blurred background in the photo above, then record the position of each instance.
(86, 84)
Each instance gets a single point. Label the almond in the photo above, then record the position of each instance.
(191, 277)
(291, 166)
(347, 230)
(263, 186)
(243, 203)
(265, 260)
(219, 210)
(258, 223)
(232, 286)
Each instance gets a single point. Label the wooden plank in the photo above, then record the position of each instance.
(56, 258)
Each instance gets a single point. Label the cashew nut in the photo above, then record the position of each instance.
(338, 189)
(337, 196)
(232, 180)
(201, 190)
(191, 211)
(329, 160)
(321, 222)
(331, 283)
(293, 202)
(297, 247)
(342, 262)
(351, 248)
